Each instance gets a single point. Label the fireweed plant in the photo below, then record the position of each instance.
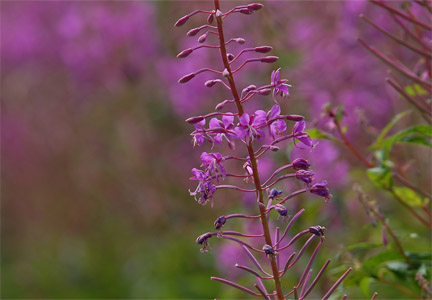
(258, 133)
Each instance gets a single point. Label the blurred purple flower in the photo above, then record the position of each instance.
(249, 126)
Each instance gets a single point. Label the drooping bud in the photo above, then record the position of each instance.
(181, 21)
(305, 176)
(186, 78)
(210, 18)
(203, 240)
(274, 193)
(282, 210)
(269, 59)
(249, 88)
(241, 41)
(185, 53)
(263, 49)
(264, 92)
(318, 231)
(320, 189)
(225, 73)
(202, 38)
(194, 120)
(230, 56)
(300, 164)
(222, 104)
(269, 250)
(193, 31)
(210, 83)
(255, 6)
(220, 222)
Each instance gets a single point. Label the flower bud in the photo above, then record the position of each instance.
(246, 11)
(255, 6)
(220, 222)
(274, 193)
(263, 49)
(202, 38)
(269, 59)
(318, 231)
(219, 14)
(241, 41)
(248, 88)
(181, 21)
(320, 189)
(268, 250)
(264, 92)
(230, 56)
(210, 18)
(194, 120)
(305, 176)
(282, 210)
(225, 73)
(222, 104)
(210, 83)
(296, 118)
(185, 53)
(300, 164)
(186, 78)
(274, 148)
(193, 31)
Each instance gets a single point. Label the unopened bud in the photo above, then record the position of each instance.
(274, 148)
(264, 92)
(194, 120)
(296, 118)
(186, 78)
(185, 53)
(210, 18)
(245, 11)
(221, 105)
(249, 88)
(210, 83)
(300, 164)
(218, 14)
(225, 73)
(220, 222)
(193, 31)
(181, 21)
(230, 56)
(255, 6)
(241, 41)
(269, 59)
(202, 38)
(263, 49)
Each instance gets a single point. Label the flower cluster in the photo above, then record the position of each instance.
(258, 133)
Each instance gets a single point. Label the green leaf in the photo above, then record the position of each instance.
(365, 286)
(380, 260)
(319, 134)
(386, 129)
(420, 90)
(381, 176)
(409, 196)
(410, 90)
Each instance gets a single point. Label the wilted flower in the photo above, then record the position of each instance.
(300, 164)
(213, 164)
(220, 222)
(205, 188)
(318, 231)
(305, 176)
(320, 189)
(203, 240)
(302, 136)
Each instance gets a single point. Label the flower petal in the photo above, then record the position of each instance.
(227, 120)
(245, 119)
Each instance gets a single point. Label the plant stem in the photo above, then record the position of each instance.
(252, 158)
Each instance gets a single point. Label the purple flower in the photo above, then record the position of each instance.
(320, 189)
(276, 125)
(205, 188)
(300, 164)
(203, 240)
(225, 125)
(199, 136)
(213, 164)
(305, 176)
(298, 133)
(249, 126)
(280, 86)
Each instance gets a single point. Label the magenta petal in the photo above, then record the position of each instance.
(218, 139)
(214, 123)
(306, 140)
(275, 111)
(260, 118)
(245, 119)
(299, 126)
(283, 88)
(227, 120)
(241, 133)
(280, 125)
(206, 158)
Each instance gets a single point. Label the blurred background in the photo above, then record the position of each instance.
(96, 156)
